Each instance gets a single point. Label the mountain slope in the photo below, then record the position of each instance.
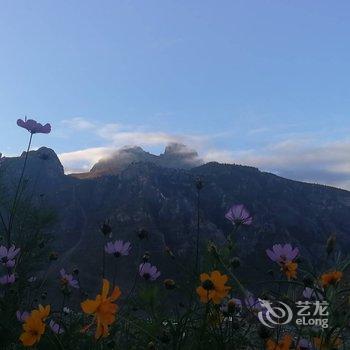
(163, 200)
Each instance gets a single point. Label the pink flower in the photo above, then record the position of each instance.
(22, 316)
(68, 279)
(7, 255)
(55, 327)
(239, 215)
(33, 126)
(282, 253)
(118, 248)
(148, 272)
(311, 293)
(7, 279)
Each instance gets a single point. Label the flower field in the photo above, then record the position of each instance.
(306, 306)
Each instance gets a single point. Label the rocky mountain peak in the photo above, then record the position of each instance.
(175, 155)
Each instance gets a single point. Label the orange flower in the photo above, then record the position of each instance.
(284, 344)
(103, 309)
(290, 269)
(323, 344)
(331, 278)
(34, 327)
(213, 287)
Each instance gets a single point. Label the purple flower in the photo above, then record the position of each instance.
(282, 253)
(33, 126)
(22, 316)
(310, 293)
(118, 248)
(239, 215)
(304, 344)
(7, 255)
(55, 327)
(252, 303)
(7, 279)
(148, 272)
(68, 279)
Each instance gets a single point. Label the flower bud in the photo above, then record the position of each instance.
(142, 234)
(106, 229)
(169, 252)
(146, 257)
(213, 250)
(169, 284)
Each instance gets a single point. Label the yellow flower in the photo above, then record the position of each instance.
(322, 344)
(34, 327)
(331, 278)
(213, 287)
(284, 344)
(290, 269)
(103, 309)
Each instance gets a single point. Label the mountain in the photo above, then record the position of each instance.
(158, 194)
(176, 155)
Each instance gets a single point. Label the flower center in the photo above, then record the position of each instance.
(208, 285)
(64, 281)
(117, 254)
(146, 276)
(4, 259)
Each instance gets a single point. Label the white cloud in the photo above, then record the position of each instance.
(83, 160)
(298, 159)
(78, 123)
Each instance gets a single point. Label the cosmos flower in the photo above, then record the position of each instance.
(282, 253)
(34, 326)
(331, 278)
(284, 344)
(148, 272)
(213, 287)
(311, 293)
(33, 126)
(304, 344)
(55, 327)
(22, 316)
(103, 309)
(252, 303)
(239, 215)
(68, 280)
(7, 279)
(118, 248)
(7, 256)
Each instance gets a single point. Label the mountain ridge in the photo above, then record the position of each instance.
(163, 200)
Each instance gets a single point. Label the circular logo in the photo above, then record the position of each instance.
(274, 314)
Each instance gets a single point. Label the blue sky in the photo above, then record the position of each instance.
(263, 83)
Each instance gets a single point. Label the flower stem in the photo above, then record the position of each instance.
(17, 194)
